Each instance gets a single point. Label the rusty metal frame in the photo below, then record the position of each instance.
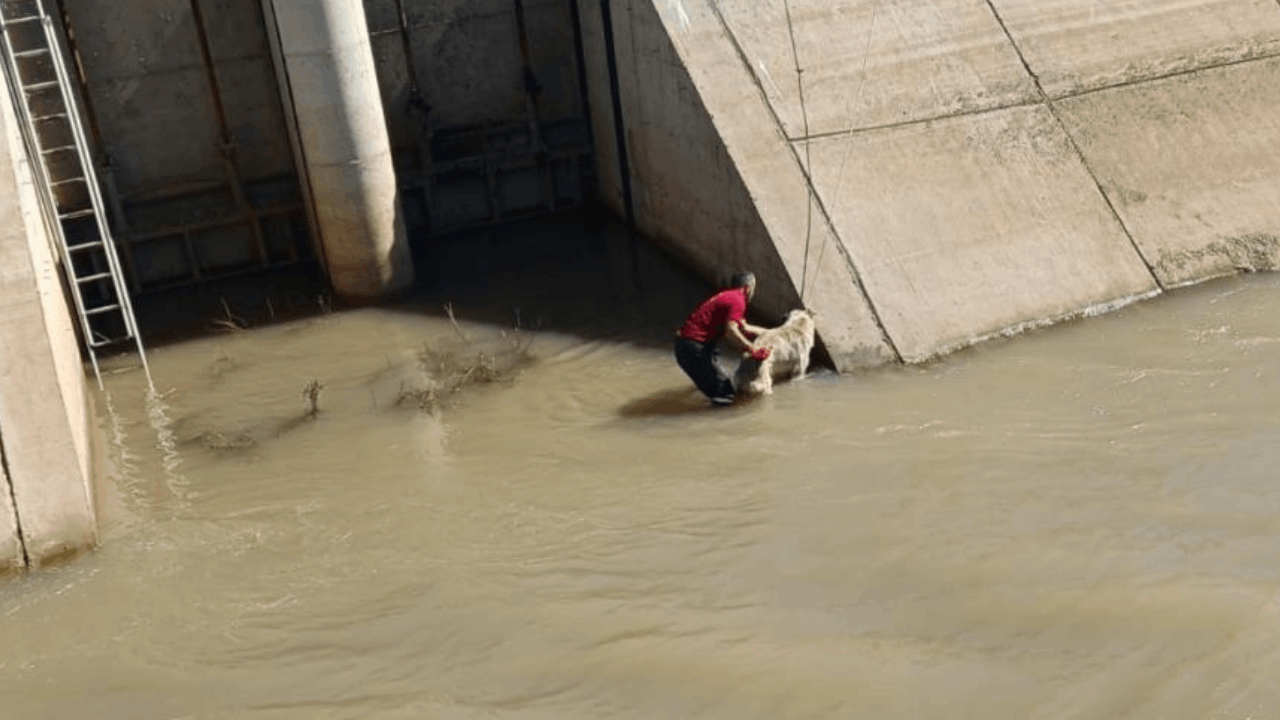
(246, 212)
(234, 180)
(490, 166)
(187, 232)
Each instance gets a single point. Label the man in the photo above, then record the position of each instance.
(721, 316)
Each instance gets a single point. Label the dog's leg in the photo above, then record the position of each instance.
(804, 365)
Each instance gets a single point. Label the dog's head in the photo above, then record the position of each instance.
(801, 317)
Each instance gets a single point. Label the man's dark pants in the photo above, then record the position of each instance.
(698, 360)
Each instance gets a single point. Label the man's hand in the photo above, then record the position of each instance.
(733, 332)
(759, 354)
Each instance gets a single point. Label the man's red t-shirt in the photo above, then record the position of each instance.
(706, 323)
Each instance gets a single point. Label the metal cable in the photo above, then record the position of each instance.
(853, 104)
(808, 162)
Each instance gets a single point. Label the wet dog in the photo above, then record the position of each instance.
(789, 346)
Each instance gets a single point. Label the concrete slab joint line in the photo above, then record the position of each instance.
(13, 502)
(1075, 147)
(815, 198)
(867, 129)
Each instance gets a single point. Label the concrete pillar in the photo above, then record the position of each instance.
(330, 78)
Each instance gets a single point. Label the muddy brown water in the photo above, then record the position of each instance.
(1083, 522)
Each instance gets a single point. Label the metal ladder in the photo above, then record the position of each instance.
(65, 180)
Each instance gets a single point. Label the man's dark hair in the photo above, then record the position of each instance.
(742, 279)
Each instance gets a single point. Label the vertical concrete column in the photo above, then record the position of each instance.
(343, 136)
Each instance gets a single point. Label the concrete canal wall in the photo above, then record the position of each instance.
(927, 174)
(922, 173)
(46, 501)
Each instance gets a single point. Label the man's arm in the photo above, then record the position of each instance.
(735, 336)
(752, 330)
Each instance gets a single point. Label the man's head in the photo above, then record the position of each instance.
(744, 279)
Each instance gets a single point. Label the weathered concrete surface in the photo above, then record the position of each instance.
(981, 222)
(11, 555)
(153, 102)
(961, 158)
(343, 134)
(1075, 45)
(466, 54)
(714, 188)
(202, 175)
(57, 310)
(608, 180)
(1192, 166)
(867, 63)
(43, 424)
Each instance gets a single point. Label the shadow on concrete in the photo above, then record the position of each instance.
(574, 272)
(251, 299)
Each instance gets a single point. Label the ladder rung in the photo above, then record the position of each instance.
(101, 310)
(69, 180)
(108, 341)
(93, 278)
(50, 116)
(31, 53)
(19, 21)
(33, 87)
(84, 246)
(61, 148)
(76, 214)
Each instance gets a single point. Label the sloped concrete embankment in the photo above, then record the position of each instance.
(928, 174)
(46, 505)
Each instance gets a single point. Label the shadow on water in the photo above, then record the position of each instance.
(666, 402)
(680, 401)
(573, 272)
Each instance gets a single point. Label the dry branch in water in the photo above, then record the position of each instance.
(232, 321)
(425, 399)
(312, 395)
(454, 368)
(220, 440)
(448, 308)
